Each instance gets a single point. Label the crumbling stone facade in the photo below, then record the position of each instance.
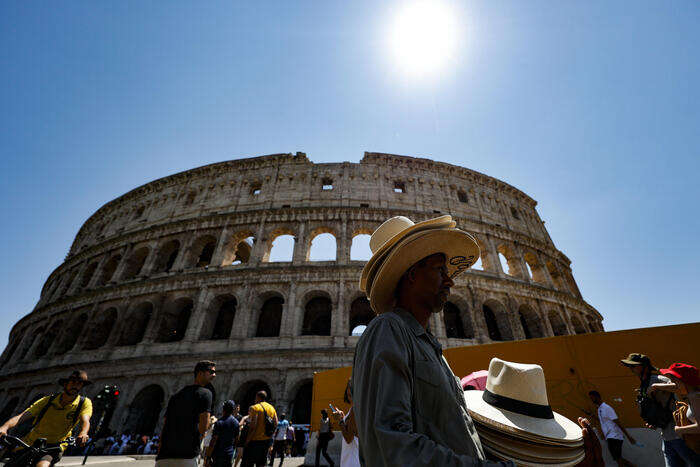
(179, 270)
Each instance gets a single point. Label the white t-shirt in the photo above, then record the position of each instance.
(606, 415)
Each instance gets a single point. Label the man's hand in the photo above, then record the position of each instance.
(82, 439)
(337, 415)
(3, 432)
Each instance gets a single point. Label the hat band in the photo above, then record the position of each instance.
(514, 405)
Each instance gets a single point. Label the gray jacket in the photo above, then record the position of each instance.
(408, 404)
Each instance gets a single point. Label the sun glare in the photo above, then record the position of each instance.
(423, 37)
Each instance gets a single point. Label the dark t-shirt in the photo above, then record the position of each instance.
(180, 437)
(226, 431)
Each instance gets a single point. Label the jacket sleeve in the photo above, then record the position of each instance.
(384, 386)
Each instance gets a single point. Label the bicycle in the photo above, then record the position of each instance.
(20, 454)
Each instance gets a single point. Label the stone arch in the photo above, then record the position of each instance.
(100, 328)
(222, 311)
(109, 269)
(88, 273)
(239, 248)
(65, 286)
(27, 343)
(322, 245)
(510, 259)
(457, 320)
(497, 322)
(245, 395)
(300, 406)
(556, 276)
(530, 322)
(9, 409)
(270, 316)
(12, 347)
(167, 255)
(318, 312)
(361, 313)
(359, 248)
(48, 338)
(536, 270)
(594, 324)
(174, 320)
(202, 251)
(279, 246)
(486, 261)
(144, 410)
(135, 262)
(558, 325)
(137, 319)
(579, 327)
(71, 334)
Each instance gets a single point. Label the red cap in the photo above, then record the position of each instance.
(686, 373)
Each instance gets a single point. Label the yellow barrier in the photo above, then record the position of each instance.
(573, 365)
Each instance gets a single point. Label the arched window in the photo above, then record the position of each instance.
(282, 249)
(270, 319)
(206, 254)
(497, 322)
(579, 328)
(239, 251)
(100, 329)
(360, 250)
(109, 269)
(144, 410)
(174, 321)
(323, 248)
(478, 265)
(71, 334)
(556, 277)
(27, 343)
(245, 395)
(535, 268)
(558, 325)
(361, 314)
(167, 256)
(224, 319)
(135, 263)
(507, 259)
(317, 317)
(48, 338)
(301, 405)
(453, 322)
(136, 324)
(491, 324)
(87, 274)
(530, 321)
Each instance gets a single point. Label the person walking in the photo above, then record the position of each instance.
(350, 451)
(613, 431)
(242, 437)
(656, 408)
(325, 435)
(262, 423)
(224, 434)
(187, 420)
(56, 416)
(280, 439)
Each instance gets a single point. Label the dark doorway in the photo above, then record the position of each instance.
(270, 319)
(144, 410)
(317, 317)
(492, 324)
(453, 321)
(301, 405)
(246, 394)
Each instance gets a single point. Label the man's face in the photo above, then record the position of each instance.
(73, 387)
(595, 399)
(431, 282)
(209, 374)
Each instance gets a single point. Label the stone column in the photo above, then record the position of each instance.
(299, 255)
(98, 271)
(75, 286)
(437, 325)
(217, 258)
(152, 328)
(183, 254)
(259, 245)
(339, 316)
(150, 262)
(199, 312)
(493, 252)
(126, 252)
(287, 328)
(342, 255)
(242, 319)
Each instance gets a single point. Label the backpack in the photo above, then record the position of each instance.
(270, 425)
(653, 412)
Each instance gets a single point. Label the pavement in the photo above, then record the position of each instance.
(143, 461)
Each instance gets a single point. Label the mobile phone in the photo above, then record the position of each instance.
(331, 406)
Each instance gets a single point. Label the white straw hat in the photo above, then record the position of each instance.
(515, 401)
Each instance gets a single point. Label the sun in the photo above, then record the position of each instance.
(423, 37)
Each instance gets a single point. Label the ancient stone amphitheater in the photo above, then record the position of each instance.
(179, 270)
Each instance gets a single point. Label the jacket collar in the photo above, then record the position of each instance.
(410, 321)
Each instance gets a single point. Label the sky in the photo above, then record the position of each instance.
(591, 108)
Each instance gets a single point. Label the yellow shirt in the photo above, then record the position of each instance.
(56, 425)
(257, 409)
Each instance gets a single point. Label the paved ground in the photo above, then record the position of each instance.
(142, 461)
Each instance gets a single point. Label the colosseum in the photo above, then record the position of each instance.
(179, 270)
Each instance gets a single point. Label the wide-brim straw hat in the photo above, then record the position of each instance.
(460, 249)
(389, 233)
(515, 401)
(525, 460)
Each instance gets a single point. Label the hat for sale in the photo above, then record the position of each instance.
(686, 373)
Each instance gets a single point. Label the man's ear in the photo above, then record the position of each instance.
(411, 274)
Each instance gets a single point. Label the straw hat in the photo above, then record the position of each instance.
(515, 401)
(399, 244)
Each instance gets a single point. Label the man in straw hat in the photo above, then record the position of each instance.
(410, 408)
(54, 417)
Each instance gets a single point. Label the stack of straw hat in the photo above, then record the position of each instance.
(516, 423)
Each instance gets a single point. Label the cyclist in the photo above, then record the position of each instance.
(55, 417)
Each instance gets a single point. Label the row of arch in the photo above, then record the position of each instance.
(280, 244)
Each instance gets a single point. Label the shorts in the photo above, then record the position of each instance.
(177, 462)
(615, 447)
(52, 458)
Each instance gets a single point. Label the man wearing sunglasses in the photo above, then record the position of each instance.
(54, 417)
(187, 419)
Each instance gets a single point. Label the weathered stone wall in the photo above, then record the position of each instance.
(154, 276)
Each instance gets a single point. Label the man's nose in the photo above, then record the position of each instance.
(447, 281)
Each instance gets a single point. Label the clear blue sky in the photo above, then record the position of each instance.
(592, 108)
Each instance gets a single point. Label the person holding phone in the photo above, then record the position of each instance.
(325, 435)
(350, 453)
